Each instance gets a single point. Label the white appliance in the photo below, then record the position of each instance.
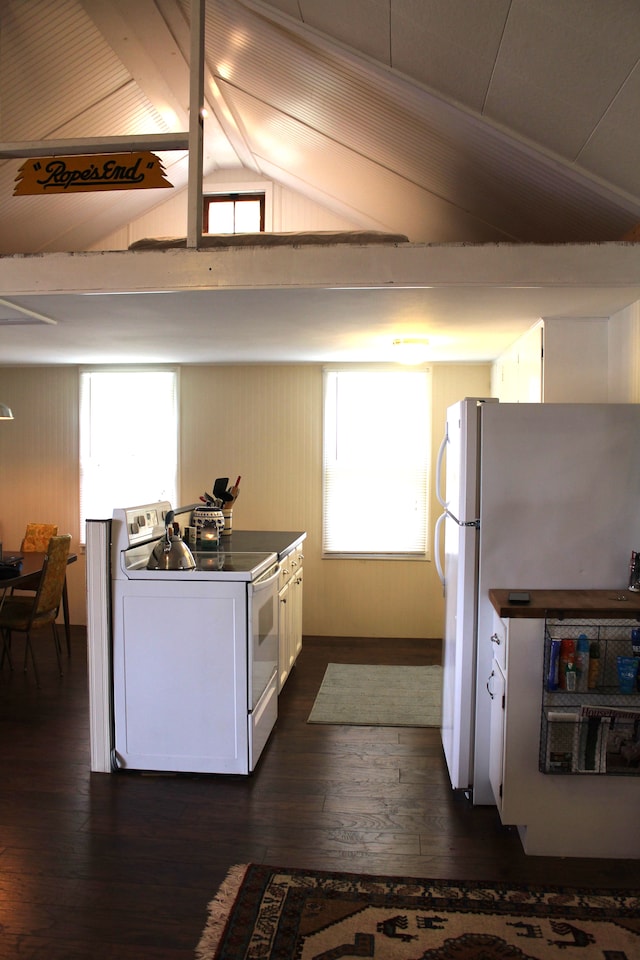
(537, 496)
(195, 652)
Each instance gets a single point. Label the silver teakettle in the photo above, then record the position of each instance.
(170, 552)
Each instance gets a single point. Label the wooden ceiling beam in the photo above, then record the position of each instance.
(94, 145)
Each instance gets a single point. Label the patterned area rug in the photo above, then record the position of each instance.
(263, 912)
(382, 696)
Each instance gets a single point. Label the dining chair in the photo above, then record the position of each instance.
(36, 540)
(36, 537)
(26, 614)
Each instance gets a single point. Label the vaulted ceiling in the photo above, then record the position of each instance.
(446, 120)
(463, 121)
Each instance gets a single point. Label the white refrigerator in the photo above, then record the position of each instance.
(535, 496)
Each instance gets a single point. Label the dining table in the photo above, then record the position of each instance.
(27, 575)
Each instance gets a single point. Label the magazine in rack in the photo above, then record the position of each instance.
(611, 735)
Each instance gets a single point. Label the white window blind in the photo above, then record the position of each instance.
(128, 440)
(376, 462)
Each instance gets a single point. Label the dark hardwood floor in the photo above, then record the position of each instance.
(98, 866)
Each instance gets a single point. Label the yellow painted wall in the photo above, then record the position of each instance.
(39, 465)
(263, 422)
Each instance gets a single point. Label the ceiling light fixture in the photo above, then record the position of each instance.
(5, 412)
(411, 350)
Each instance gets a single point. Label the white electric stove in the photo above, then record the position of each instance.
(195, 652)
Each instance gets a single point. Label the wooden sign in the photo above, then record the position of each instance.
(112, 171)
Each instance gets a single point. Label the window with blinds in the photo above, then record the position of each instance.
(233, 213)
(376, 462)
(128, 440)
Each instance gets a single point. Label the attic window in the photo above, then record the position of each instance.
(233, 213)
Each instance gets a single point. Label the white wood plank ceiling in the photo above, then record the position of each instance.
(455, 122)
(447, 120)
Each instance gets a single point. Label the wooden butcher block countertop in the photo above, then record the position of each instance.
(574, 604)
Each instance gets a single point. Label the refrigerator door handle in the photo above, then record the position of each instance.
(463, 523)
(437, 535)
(436, 548)
(439, 477)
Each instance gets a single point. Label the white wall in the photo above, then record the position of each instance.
(624, 355)
(575, 367)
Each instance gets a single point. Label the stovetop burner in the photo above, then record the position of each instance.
(210, 564)
(233, 562)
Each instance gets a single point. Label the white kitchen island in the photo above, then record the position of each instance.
(567, 815)
(184, 664)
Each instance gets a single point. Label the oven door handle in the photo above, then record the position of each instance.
(266, 579)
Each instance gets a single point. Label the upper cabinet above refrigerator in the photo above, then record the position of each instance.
(559, 360)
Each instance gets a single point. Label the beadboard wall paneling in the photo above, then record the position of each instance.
(293, 211)
(262, 422)
(265, 423)
(39, 461)
(624, 355)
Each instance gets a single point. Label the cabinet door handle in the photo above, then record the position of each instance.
(489, 690)
(496, 639)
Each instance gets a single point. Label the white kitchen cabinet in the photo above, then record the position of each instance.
(180, 676)
(290, 625)
(517, 373)
(567, 816)
(284, 629)
(296, 615)
(496, 689)
(559, 360)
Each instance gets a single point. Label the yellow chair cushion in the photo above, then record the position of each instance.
(37, 536)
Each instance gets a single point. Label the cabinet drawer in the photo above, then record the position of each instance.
(285, 571)
(290, 565)
(499, 635)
